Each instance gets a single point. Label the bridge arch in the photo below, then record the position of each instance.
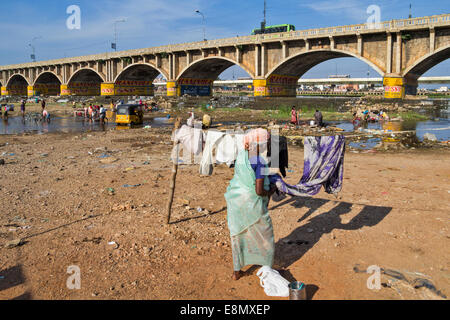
(47, 77)
(210, 68)
(140, 71)
(17, 78)
(426, 63)
(86, 74)
(84, 82)
(47, 83)
(17, 85)
(298, 64)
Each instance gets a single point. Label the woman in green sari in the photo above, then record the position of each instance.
(247, 197)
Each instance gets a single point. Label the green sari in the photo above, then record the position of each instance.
(250, 226)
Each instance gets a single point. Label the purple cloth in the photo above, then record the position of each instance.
(323, 166)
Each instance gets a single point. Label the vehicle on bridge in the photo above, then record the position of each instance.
(129, 114)
(275, 29)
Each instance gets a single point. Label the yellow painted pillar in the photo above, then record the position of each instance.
(107, 89)
(31, 91)
(65, 91)
(260, 88)
(5, 91)
(172, 89)
(394, 88)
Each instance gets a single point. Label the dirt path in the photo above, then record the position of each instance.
(393, 213)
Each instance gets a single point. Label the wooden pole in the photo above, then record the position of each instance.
(173, 178)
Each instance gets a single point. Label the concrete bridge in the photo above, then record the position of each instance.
(399, 50)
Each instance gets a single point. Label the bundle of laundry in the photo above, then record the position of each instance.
(323, 166)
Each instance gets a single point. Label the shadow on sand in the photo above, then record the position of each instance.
(292, 248)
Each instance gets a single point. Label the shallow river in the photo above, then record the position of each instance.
(440, 127)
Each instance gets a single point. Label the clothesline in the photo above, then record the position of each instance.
(323, 166)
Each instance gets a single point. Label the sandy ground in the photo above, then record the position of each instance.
(393, 212)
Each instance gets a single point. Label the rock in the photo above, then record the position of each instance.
(108, 160)
(100, 150)
(14, 243)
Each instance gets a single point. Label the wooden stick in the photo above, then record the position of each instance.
(173, 178)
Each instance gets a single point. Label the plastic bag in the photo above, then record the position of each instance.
(273, 283)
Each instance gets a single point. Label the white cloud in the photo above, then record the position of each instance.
(350, 8)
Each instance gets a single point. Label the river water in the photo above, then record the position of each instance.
(17, 125)
(439, 126)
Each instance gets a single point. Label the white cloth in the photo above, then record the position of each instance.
(239, 142)
(191, 140)
(206, 164)
(226, 150)
(190, 121)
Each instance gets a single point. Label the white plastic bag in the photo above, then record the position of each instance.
(273, 283)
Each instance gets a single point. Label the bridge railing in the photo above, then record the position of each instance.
(328, 31)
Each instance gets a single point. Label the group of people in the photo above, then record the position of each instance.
(295, 117)
(369, 116)
(7, 108)
(95, 112)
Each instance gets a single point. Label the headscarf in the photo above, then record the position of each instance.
(258, 136)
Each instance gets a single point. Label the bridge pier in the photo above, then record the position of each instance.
(276, 86)
(172, 88)
(397, 87)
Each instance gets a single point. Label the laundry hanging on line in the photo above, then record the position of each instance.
(323, 166)
(227, 146)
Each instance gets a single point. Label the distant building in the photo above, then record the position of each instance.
(442, 89)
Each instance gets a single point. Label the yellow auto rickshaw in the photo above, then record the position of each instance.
(129, 114)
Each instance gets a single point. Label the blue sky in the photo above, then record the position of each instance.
(158, 22)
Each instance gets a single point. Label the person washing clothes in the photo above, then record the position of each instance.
(45, 116)
(206, 121)
(247, 197)
(102, 114)
(318, 118)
